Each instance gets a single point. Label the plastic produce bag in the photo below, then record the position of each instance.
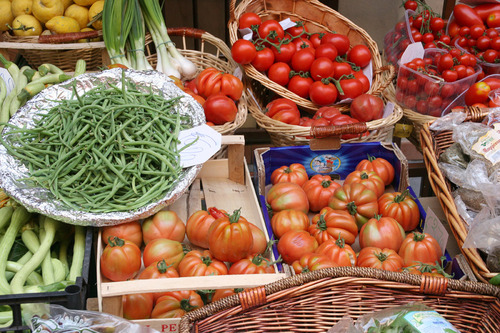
(63, 320)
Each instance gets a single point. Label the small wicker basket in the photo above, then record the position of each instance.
(317, 17)
(283, 134)
(315, 301)
(433, 144)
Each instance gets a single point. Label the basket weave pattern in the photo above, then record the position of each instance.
(433, 144)
(315, 301)
(317, 17)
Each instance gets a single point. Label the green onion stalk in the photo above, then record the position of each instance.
(170, 61)
(116, 25)
(137, 39)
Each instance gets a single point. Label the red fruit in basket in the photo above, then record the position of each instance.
(382, 232)
(420, 247)
(137, 306)
(360, 55)
(368, 178)
(492, 82)
(220, 109)
(300, 85)
(305, 121)
(351, 88)
(477, 93)
(323, 93)
(175, 304)
(287, 220)
(201, 263)
(367, 107)
(490, 55)
(252, 265)
(280, 73)
(436, 24)
(267, 27)
(312, 262)
(341, 42)
(449, 75)
(263, 60)
(380, 165)
(120, 260)
(493, 20)
(331, 223)
(327, 112)
(445, 62)
(327, 50)
(321, 68)
(294, 244)
(295, 173)
(283, 196)
(129, 231)
(212, 81)
(340, 69)
(483, 43)
(248, 19)
(161, 248)
(318, 190)
(402, 207)
(411, 5)
(338, 251)
(197, 227)
(243, 51)
(296, 30)
(385, 259)
(364, 80)
(285, 53)
(302, 60)
(284, 110)
(164, 224)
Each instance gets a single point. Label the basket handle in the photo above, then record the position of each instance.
(185, 31)
(337, 130)
(388, 81)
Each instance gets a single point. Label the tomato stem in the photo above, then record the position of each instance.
(321, 225)
(340, 242)
(418, 236)
(353, 65)
(115, 241)
(287, 170)
(326, 183)
(352, 208)
(363, 175)
(186, 306)
(162, 266)
(206, 260)
(402, 196)
(235, 217)
(371, 158)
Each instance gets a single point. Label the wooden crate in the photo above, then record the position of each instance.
(223, 183)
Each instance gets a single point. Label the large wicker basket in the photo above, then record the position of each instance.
(283, 134)
(315, 301)
(317, 17)
(433, 144)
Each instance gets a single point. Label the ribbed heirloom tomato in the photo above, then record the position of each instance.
(332, 224)
(295, 243)
(259, 240)
(420, 247)
(380, 165)
(401, 207)
(120, 259)
(164, 224)
(162, 248)
(230, 237)
(382, 232)
(198, 224)
(130, 231)
(312, 262)
(220, 109)
(201, 263)
(368, 178)
(222, 293)
(283, 196)
(319, 189)
(338, 251)
(212, 81)
(284, 110)
(256, 264)
(386, 259)
(137, 306)
(287, 220)
(159, 270)
(294, 173)
(175, 304)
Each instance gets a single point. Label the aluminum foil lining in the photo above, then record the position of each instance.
(40, 200)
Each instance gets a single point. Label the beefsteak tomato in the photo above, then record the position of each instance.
(332, 224)
(285, 195)
(212, 81)
(201, 263)
(401, 207)
(368, 178)
(287, 220)
(374, 257)
(382, 232)
(159, 270)
(137, 306)
(198, 224)
(380, 165)
(367, 107)
(120, 259)
(222, 293)
(284, 110)
(295, 243)
(175, 304)
(252, 265)
(294, 173)
(130, 231)
(161, 248)
(319, 189)
(312, 262)
(338, 251)
(164, 224)
(420, 248)
(259, 240)
(220, 109)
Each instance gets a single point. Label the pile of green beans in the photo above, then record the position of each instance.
(111, 149)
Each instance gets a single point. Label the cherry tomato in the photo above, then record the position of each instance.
(490, 55)
(464, 31)
(417, 37)
(243, 51)
(302, 43)
(285, 53)
(323, 94)
(279, 72)
(495, 43)
(322, 68)
(476, 31)
(263, 60)
(296, 30)
(315, 39)
(327, 50)
(449, 75)
(491, 32)
(417, 22)
(436, 24)
(352, 88)
(461, 71)
(411, 5)
(453, 29)
(364, 80)
(483, 43)
(445, 62)
(268, 26)
(300, 85)
(445, 39)
(341, 68)
(427, 38)
(248, 19)
(360, 55)
(341, 42)
(302, 60)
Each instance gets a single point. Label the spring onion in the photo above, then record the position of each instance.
(137, 40)
(116, 25)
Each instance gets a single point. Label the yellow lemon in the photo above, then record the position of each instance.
(26, 25)
(44, 10)
(86, 40)
(62, 25)
(67, 3)
(6, 16)
(20, 7)
(79, 13)
(85, 3)
(95, 9)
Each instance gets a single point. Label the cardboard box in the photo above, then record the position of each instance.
(216, 185)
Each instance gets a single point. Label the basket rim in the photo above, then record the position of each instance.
(440, 186)
(345, 275)
(378, 84)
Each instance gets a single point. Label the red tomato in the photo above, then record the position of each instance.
(300, 85)
(137, 306)
(323, 94)
(222, 293)
(453, 29)
(259, 240)
(367, 107)
(351, 88)
(465, 15)
(175, 304)
(327, 50)
(252, 265)
(364, 80)
(287, 220)
(357, 199)
(368, 178)
(380, 165)
(159, 270)
(493, 20)
(284, 110)
(485, 9)
(490, 55)
(248, 19)
(283, 196)
(315, 39)
(303, 43)
(321, 68)
(411, 5)
(338, 251)
(332, 224)
(436, 24)
(164, 224)
(386, 259)
(419, 247)
(220, 109)
(302, 60)
(327, 112)
(297, 30)
(305, 121)
(128, 231)
(201, 263)
(360, 55)
(230, 237)
(483, 43)
(212, 81)
(263, 60)
(492, 82)
(120, 260)
(319, 189)
(279, 72)
(477, 93)
(266, 28)
(341, 42)
(197, 227)
(340, 69)
(243, 51)
(158, 249)
(312, 262)
(382, 232)
(285, 54)
(295, 173)
(294, 244)
(401, 207)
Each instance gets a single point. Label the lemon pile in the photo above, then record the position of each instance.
(34, 17)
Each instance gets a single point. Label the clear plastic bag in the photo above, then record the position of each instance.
(62, 320)
(448, 122)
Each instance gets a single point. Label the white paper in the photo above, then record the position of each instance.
(9, 82)
(238, 73)
(208, 142)
(246, 33)
(388, 110)
(287, 23)
(436, 229)
(414, 50)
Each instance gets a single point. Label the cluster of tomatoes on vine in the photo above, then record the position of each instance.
(426, 27)
(321, 66)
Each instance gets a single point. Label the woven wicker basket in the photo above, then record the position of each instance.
(63, 56)
(433, 144)
(315, 301)
(282, 134)
(317, 17)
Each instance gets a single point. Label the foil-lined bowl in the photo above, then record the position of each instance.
(40, 200)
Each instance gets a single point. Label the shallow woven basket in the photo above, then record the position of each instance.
(315, 301)
(317, 17)
(433, 144)
(64, 55)
(282, 134)
(211, 52)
